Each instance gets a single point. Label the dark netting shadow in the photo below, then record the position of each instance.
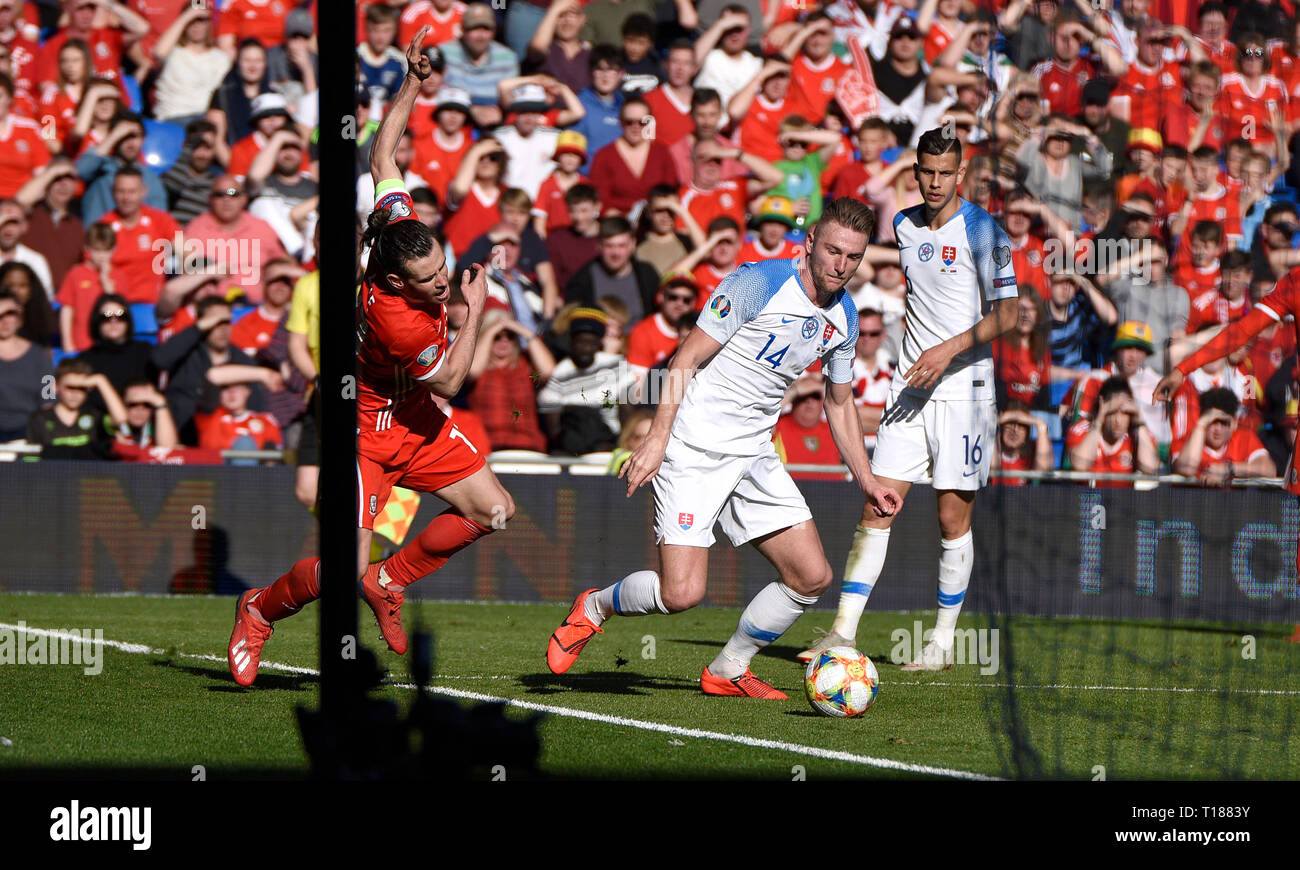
(1142, 634)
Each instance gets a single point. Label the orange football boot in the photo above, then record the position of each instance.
(245, 650)
(744, 686)
(572, 635)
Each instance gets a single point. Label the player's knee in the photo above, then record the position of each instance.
(677, 600)
(812, 581)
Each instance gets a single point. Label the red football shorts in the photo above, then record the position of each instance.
(418, 464)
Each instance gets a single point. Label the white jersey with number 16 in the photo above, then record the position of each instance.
(954, 275)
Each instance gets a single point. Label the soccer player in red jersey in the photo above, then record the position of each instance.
(1283, 302)
(403, 437)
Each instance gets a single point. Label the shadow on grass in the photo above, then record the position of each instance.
(226, 683)
(604, 682)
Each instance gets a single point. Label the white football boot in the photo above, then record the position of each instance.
(932, 658)
(826, 641)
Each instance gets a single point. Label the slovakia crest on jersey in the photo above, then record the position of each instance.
(926, 252)
(827, 333)
(810, 327)
(949, 255)
(685, 521)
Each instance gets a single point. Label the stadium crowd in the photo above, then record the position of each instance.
(610, 162)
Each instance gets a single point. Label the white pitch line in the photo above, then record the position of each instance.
(744, 740)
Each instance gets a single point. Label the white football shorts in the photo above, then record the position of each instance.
(950, 441)
(751, 495)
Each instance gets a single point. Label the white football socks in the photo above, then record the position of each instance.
(635, 595)
(955, 562)
(861, 571)
(771, 612)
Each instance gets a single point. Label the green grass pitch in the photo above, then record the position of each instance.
(1137, 701)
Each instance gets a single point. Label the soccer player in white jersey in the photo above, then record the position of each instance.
(710, 452)
(940, 420)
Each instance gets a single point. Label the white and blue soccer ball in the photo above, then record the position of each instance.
(840, 681)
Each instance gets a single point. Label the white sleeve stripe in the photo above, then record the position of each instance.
(1271, 313)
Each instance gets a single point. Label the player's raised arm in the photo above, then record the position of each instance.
(644, 463)
(418, 68)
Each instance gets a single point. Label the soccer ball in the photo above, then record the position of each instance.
(841, 682)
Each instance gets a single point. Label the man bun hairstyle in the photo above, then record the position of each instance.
(392, 245)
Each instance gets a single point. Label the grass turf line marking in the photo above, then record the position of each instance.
(744, 740)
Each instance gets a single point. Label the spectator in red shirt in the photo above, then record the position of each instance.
(251, 19)
(670, 103)
(1022, 358)
(1118, 440)
(1218, 449)
(713, 261)
(775, 218)
(438, 156)
(1064, 76)
(814, 68)
(1229, 301)
(803, 436)
(759, 107)
(106, 26)
(503, 385)
(23, 150)
(550, 210)
(270, 113)
(1200, 273)
(708, 195)
(234, 427)
(873, 138)
(101, 102)
(1152, 84)
(1200, 118)
(18, 38)
(1252, 98)
(145, 238)
(625, 170)
(61, 96)
(254, 330)
(228, 233)
(473, 195)
(656, 337)
(85, 283)
(1015, 450)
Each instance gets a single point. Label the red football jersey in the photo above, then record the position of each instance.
(1013, 462)
(937, 41)
(1016, 367)
(651, 341)
(1027, 259)
(139, 248)
(1197, 282)
(672, 117)
(851, 181)
(1062, 86)
(1145, 93)
(105, 43)
(1242, 447)
(442, 28)
(261, 19)
(799, 446)
(1213, 307)
(22, 153)
(812, 86)
(1187, 402)
(437, 165)
(253, 331)
(728, 199)
(707, 278)
(753, 252)
(1119, 457)
(1250, 110)
(550, 203)
(220, 429)
(476, 215)
(758, 130)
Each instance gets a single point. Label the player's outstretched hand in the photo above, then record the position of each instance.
(473, 284)
(416, 60)
(1168, 385)
(884, 500)
(642, 465)
(929, 367)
